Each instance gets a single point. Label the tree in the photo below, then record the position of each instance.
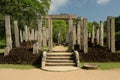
(26, 11)
(59, 26)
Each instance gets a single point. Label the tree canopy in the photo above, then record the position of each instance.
(59, 26)
(26, 11)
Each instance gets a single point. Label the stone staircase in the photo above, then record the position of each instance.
(60, 61)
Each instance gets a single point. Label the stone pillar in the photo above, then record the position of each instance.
(108, 32)
(85, 36)
(97, 36)
(50, 42)
(93, 34)
(21, 36)
(89, 35)
(44, 38)
(78, 32)
(101, 34)
(16, 30)
(74, 35)
(36, 35)
(70, 34)
(8, 35)
(82, 32)
(32, 34)
(29, 37)
(40, 33)
(26, 33)
(111, 34)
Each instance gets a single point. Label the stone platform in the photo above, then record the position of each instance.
(60, 69)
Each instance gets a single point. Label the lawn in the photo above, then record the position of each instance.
(106, 65)
(17, 66)
(2, 45)
(1, 50)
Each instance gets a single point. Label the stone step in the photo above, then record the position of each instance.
(60, 68)
(59, 58)
(60, 61)
(60, 64)
(59, 54)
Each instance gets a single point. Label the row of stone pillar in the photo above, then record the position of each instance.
(98, 35)
(80, 34)
(110, 35)
(41, 36)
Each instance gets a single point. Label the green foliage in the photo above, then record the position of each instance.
(89, 27)
(90, 24)
(117, 35)
(117, 24)
(25, 11)
(59, 26)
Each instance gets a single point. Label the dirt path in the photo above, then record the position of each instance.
(37, 74)
(60, 48)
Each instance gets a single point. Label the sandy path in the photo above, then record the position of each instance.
(60, 48)
(37, 74)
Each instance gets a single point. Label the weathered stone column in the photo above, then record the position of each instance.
(89, 34)
(36, 35)
(111, 34)
(32, 34)
(50, 42)
(85, 36)
(78, 31)
(26, 33)
(82, 32)
(74, 35)
(108, 32)
(70, 30)
(93, 34)
(21, 36)
(16, 32)
(40, 32)
(44, 38)
(101, 34)
(8, 35)
(97, 36)
(29, 37)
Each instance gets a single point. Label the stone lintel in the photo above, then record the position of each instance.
(61, 16)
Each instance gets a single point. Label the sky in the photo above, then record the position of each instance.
(93, 10)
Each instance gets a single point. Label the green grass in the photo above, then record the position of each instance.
(2, 42)
(106, 65)
(1, 50)
(16, 66)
